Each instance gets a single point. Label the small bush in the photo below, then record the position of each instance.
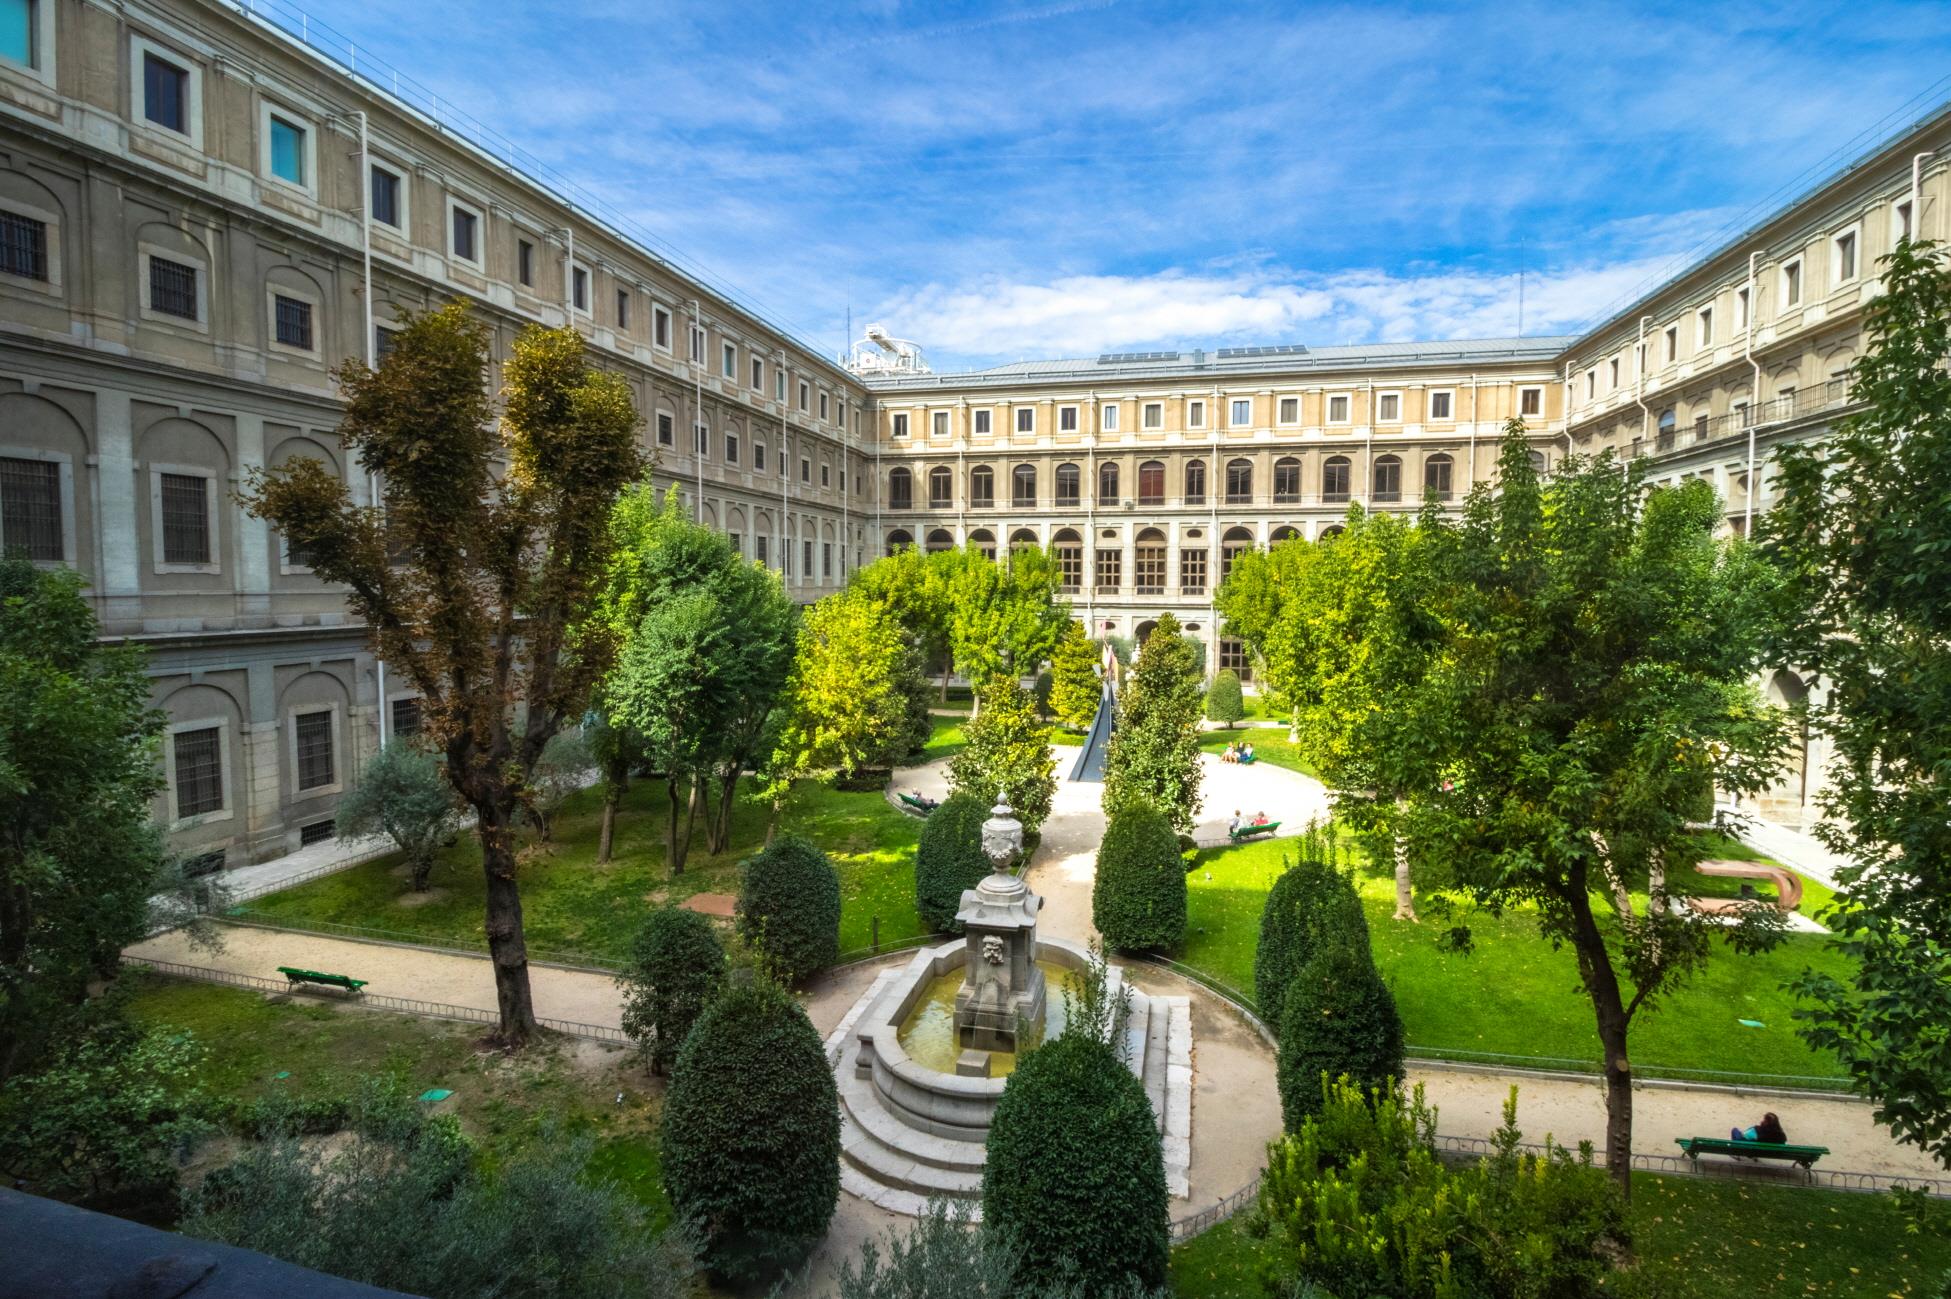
(1076, 1173)
(1338, 1019)
(675, 969)
(945, 1256)
(751, 1139)
(1224, 702)
(1310, 903)
(1006, 754)
(949, 859)
(789, 908)
(403, 794)
(1138, 901)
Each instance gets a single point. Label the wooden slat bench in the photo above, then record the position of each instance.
(1246, 832)
(347, 982)
(1801, 1156)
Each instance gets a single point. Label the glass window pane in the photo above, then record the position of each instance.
(23, 246)
(287, 151)
(314, 749)
(186, 519)
(199, 771)
(17, 32)
(30, 509)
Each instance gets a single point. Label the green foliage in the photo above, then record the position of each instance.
(789, 908)
(676, 968)
(1003, 616)
(1007, 754)
(402, 794)
(107, 1112)
(949, 859)
(401, 1202)
(1138, 900)
(847, 702)
(1099, 1008)
(751, 1137)
(945, 1256)
(78, 769)
(1862, 537)
(1075, 690)
(1311, 907)
(1154, 751)
(1224, 700)
(1358, 1203)
(1338, 1020)
(916, 723)
(1075, 1174)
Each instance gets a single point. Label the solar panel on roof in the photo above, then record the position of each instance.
(1285, 349)
(1126, 358)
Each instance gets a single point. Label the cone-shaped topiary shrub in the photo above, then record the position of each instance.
(1338, 1018)
(1224, 700)
(1076, 1173)
(676, 968)
(751, 1135)
(949, 859)
(1309, 904)
(789, 908)
(1138, 901)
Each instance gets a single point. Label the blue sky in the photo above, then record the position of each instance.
(1043, 179)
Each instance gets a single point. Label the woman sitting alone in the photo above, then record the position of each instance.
(1768, 1130)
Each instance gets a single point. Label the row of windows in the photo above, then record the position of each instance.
(197, 756)
(1149, 553)
(1336, 476)
(732, 452)
(1151, 415)
(32, 527)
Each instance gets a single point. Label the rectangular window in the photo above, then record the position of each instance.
(1108, 417)
(623, 308)
(779, 383)
(186, 519)
(386, 196)
(728, 360)
(824, 418)
(314, 749)
(1672, 341)
(826, 559)
(1290, 410)
(982, 422)
(1192, 572)
(806, 559)
(579, 288)
(758, 455)
(1242, 414)
(826, 475)
(17, 21)
(199, 771)
(900, 424)
(172, 288)
(165, 93)
(1741, 312)
(23, 245)
(804, 393)
(1389, 407)
(1195, 414)
(940, 418)
(383, 342)
(1440, 405)
(1792, 284)
(287, 150)
(1025, 419)
(759, 548)
(666, 433)
(758, 374)
(462, 238)
(1066, 419)
(702, 438)
(30, 509)
(1338, 409)
(525, 263)
(731, 448)
(407, 718)
(1706, 319)
(1530, 401)
(805, 470)
(1612, 374)
(1591, 384)
(1845, 257)
(697, 345)
(660, 327)
(1110, 570)
(1233, 658)
(294, 322)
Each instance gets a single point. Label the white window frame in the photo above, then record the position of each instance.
(1744, 310)
(805, 396)
(1196, 414)
(480, 259)
(404, 230)
(899, 424)
(266, 110)
(662, 324)
(1531, 387)
(826, 407)
(272, 292)
(338, 751)
(1429, 398)
(779, 382)
(1076, 419)
(938, 423)
(1017, 421)
(588, 308)
(42, 69)
(1281, 418)
(1347, 400)
(140, 47)
(1152, 415)
(984, 421)
(1380, 397)
(1670, 336)
(1793, 276)
(145, 252)
(212, 499)
(758, 374)
(1854, 235)
(66, 487)
(51, 286)
(1108, 417)
(229, 809)
(1704, 328)
(1233, 419)
(1592, 383)
(1899, 211)
(728, 361)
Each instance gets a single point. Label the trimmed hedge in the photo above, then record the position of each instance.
(949, 859)
(1310, 903)
(751, 1135)
(1224, 700)
(1338, 1019)
(789, 908)
(1138, 901)
(675, 969)
(1076, 1173)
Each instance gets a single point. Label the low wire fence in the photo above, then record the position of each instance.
(1192, 1224)
(460, 946)
(370, 1000)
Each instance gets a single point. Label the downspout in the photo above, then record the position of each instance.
(786, 535)
(1472, 479)
(1215, 478)
(1089, 576)
(1639, 372)
(1917, 194)
(1368, 446)
(1754, 394)
(698, 400)
(370, 349)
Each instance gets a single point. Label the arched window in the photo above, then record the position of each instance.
(1195, 482)
(1436, 476)
(1107, 483)
(982, 488)
(1235, 543)
(1539, 465)
(985, 541)
(941, 487)
(1151, 483)
(1286, 532)
(1143, 631)
(1388, 478)
(898, 540)
(1022, 539)
(1665, 435)
(1287, 481)
(1239, 482)
(1068, 547)
(1148, 562)
(1022, 485)
(939, 540)
(1332, 530)
(1334, 479)
(1069, 485)
(900, 489)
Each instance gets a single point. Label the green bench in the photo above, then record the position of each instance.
(296, 976)
(917, 804)
(1248, 759)
(1246, 832)
(1802, 1156)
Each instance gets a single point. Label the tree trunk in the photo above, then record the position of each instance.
(772, 820)
(1405, 900)
(677, 836)
(1609, 1009)
(727, 792)
(615, 780)
(700, 802)
(507, 947)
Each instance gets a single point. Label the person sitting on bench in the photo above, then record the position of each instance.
(1768, 1130)
(1229, 753)
(1260, 818)
(1233, 826)
(926, 803)
(1246, 751)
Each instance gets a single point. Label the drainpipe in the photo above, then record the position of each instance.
(1368, 446)
(1639, 371)
(1089, 576)
(786, 536)
(569, 278)
(1471, 478)
(1917, 193)
(698, 399)
(369, 351)
(1214, 480)
(1754, 394)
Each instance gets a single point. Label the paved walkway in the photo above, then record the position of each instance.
(1796, 849)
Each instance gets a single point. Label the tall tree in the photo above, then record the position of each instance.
(1075, 690)
(79, 856)
(1863, 536)
(1593, 685)
(913, 586)
(1256, 590)
(1003, 614)
(669, 690)
(1008, 754)
(1154, 752)
(475, 584)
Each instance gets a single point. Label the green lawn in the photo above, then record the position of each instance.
(1269, 745)
(947, 739)
(1515, 995)
(574, 909)
(1703, 1239)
